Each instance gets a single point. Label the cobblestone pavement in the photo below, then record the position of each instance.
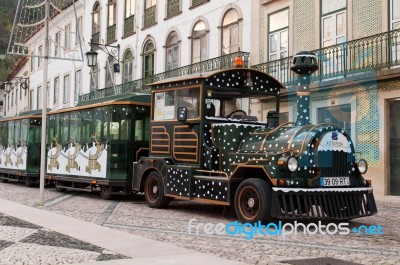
(171, 225)
(24, 243)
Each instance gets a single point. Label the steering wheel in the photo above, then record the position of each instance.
(236, 111)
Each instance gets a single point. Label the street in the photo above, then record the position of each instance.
(171, 225)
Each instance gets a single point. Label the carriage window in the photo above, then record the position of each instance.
(75, 132)
(87, 126)
(167, 103)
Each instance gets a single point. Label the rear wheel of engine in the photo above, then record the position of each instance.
(105, 192)
(154, 191)
(253, 201)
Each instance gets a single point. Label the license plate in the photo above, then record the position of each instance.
(335, 181)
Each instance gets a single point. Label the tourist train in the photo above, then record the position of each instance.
(192, 138)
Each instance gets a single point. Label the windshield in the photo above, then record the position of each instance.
(236, 108)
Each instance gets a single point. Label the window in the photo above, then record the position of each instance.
(333, 31)
(12, 99)
(67, 37)
(112, 19)
(31, 97)
(78, 84)
(32, 62)
(148, 59)
(394, 25)
(112, 9)
(166, 103)
(56, 89)
(94, 78)
(66, 89)
(199, 42)
(129, 8)
(172, 60)
(38, 98)
(40, 53)
(149, 13)
(129, 20)
(57, 42)
(127, 67)
(96, 23)
(78, 31)
(48, 93)
(278, 26)
(110, 72)
(230, 32)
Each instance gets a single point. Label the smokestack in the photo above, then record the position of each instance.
(304, 64)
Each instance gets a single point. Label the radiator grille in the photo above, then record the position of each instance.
(336, 205)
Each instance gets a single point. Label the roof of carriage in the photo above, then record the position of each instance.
(233, 77)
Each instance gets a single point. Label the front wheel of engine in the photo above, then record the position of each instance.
(154, 191)
(253, 201)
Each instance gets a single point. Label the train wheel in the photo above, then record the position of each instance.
(58, 188)
(154, 191)
(3, 180)
(253, 201)
(105, 192)
(28, 182)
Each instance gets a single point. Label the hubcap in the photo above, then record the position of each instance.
(251, 202)
(155, 189)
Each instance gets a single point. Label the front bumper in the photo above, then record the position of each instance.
(322, 203)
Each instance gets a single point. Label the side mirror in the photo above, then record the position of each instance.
(182, 114)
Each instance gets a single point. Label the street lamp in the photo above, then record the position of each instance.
(110, 50)
(22, 80)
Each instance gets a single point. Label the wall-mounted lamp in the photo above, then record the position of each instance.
(110, 50)
(24, 83)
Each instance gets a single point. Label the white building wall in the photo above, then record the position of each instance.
(211, 12)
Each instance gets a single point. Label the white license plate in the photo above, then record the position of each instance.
(335, 181)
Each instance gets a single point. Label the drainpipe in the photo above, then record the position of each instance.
(304, 64)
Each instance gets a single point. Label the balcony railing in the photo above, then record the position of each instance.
(111, 34)
(95, 39)
(140, 85)
(376, 52)
(198, 2)
(173, 8)
(129, 25)
(149, 18)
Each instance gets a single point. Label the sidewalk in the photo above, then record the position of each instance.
(34, 241)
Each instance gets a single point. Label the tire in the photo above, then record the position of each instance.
(58, 188)
(105, 192)
(154, 191)
(253, 201)
(28, 182)
(3, 180)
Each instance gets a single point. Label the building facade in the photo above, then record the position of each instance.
(357, 85)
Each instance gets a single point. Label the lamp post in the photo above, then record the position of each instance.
(110, 50)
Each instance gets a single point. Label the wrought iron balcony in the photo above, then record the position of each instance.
(375, 52)
(149, 17)
(111, 34)
(198, 2)
(139, 86)
(96, 39)
(129, 25)
(173, 8)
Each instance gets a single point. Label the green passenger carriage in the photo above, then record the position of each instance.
(20, 148)
(95, 144)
